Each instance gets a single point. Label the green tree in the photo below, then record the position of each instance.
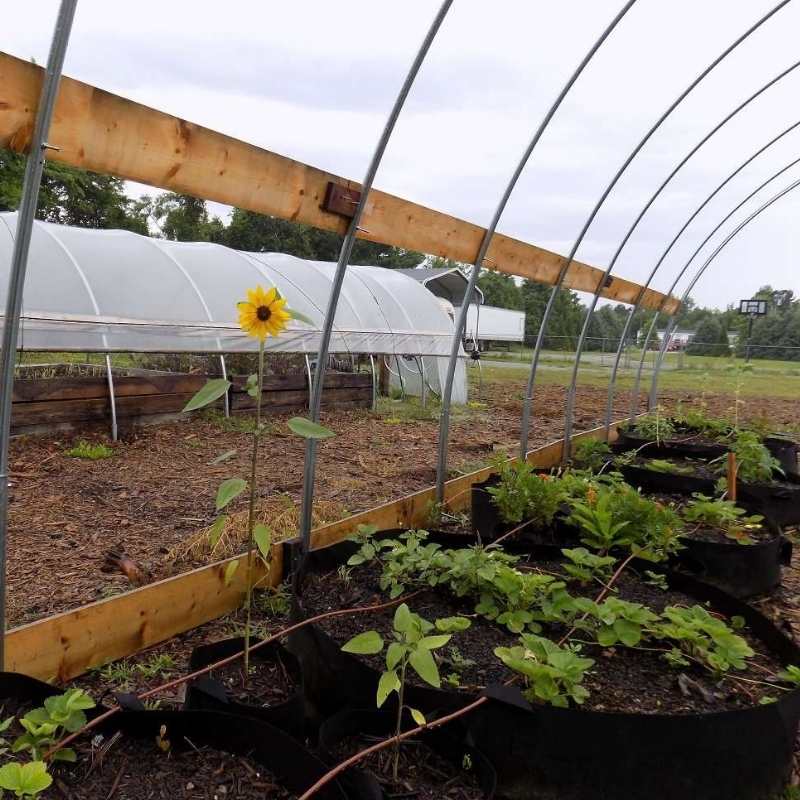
(71, 196)
(710, 338)
(500, 290)
(183, 218)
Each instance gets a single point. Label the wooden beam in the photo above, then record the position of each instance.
(105, 133)
(66, 645)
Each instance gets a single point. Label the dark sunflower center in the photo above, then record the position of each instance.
(263, 313)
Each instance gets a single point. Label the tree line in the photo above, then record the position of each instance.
(71, 196)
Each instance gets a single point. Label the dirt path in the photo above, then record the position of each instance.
(158, 489)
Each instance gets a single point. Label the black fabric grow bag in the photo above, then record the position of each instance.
(668, 448)
(779, 502)
(743, 570)
(488, 525)
(381, 724)
(786, 451)
(568, 754)
(209, 693)
(667, 482)
(296, 767)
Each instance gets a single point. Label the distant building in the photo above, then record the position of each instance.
(682, 336)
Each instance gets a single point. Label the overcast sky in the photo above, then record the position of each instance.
(314, 80)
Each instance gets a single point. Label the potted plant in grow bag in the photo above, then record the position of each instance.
(724, 546)
(517, 497)
(760, 481)
(678, 475)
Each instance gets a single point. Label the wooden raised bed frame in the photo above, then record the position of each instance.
(65, 645)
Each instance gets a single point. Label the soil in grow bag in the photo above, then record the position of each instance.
(647, 729)
(272, 691)
(787, 452)
(685, 444)
(430, 767)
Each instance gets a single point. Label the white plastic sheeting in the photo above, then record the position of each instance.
(117, 291)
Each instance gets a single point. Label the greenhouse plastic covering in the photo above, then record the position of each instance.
(117, 291)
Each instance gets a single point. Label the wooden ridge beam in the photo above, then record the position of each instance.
(102, 132)
(65, 645)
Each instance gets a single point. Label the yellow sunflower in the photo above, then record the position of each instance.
(263, 313)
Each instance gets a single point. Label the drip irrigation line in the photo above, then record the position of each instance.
(528, 400)
(19, 262)
(309, 469)
(732, 235)
(461, 321)
(651, 329)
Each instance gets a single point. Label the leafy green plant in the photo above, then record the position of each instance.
(600, 526)
(44, 726)
(790, 675)
(455, 664)
(553, 674)
(591, 454)
(616, 620)
(410, 560)
(704, 637)
(522, 494)
(119, 673)
(92, 452)
(668, 467)
(722, 515)
(654, 427)
(696, 419)
(25, 780)
(754, 463)
(369, 547)
(585, 566)
(156, 665)
(413, 646)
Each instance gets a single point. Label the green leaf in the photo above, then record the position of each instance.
(434, 642)
(229, 490)
(28, 779)
(452, 624)
(388, 683)
(424, 665)
(228, 454)
(367, 643)
(300, 317)
(65, 754)
(263, 539)
(230, 571)
(394, 654)
(215, 531)
(212, 391)
(417, 716)
(402, 618)
(308, 429)
(630, 634)
(6, 724)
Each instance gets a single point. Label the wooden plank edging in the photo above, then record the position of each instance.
(66, 645)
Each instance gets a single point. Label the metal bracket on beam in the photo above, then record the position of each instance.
(341, 200)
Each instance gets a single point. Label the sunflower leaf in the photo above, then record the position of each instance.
(262, 536)
(308, 429)
(300, 317)
(212, 391)
(229, 490)
(230, 571)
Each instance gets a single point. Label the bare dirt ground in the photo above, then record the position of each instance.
(159, 487)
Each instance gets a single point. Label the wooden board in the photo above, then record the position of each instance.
(79, 388)
(65, 645)
(99, 131)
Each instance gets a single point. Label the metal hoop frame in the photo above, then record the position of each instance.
(528, 401)
(309, 470)
(461, 320)
(651, 329)
(732, 235)
(19, 263)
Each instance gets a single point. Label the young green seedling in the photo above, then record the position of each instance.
(412, 647)
(25, 780)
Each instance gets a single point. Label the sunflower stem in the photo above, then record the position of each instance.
(251, 515)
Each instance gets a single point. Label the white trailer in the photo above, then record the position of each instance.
(490, 324)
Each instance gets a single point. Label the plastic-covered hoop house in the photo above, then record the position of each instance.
(116, 291)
